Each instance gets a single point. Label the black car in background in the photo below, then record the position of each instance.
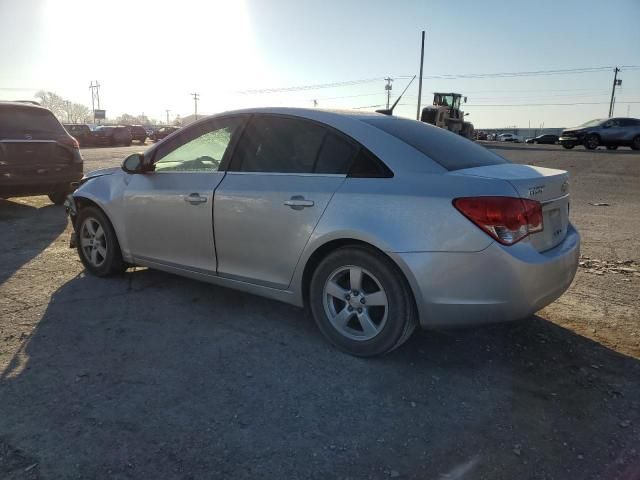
(162, 133)
(609, 132)
(112, 135)
(81, 132)
(138, 133)
(37, 155)
(544, 139)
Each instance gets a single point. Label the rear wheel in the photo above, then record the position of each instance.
(58, 197)
(592, 142)
(98, 246)
(568, 146)
(361, 302)
(635, 143)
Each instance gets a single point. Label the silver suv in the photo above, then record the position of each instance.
(609, 132)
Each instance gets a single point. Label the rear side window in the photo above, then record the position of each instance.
(335, 156)
(451, 151)
(16, 119)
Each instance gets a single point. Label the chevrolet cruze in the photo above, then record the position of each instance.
(377, 224)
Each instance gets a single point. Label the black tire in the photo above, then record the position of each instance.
(612, 147)
(591, 142)
(568, 146)
(635, 143)
(58, 197)
(401, 316)
(112, 260)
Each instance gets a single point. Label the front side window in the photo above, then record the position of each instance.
(200, 154)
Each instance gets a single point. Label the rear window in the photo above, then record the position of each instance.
(450, 150)
(17, 119)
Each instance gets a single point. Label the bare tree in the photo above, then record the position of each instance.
(64, 110)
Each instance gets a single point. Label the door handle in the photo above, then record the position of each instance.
(194, 199)
(298, 202)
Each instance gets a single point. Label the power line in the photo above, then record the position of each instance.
(565, 71)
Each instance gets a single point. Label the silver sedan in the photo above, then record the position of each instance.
(377, 224)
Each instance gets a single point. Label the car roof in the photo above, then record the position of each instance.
(398, 155)
(25, 105)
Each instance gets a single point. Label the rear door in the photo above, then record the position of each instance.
(168, 212)
(611, 132)
(282, 177)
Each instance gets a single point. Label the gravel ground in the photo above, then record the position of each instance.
(149, 375)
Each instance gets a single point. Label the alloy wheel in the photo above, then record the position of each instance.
(355, 303)
(93, 242)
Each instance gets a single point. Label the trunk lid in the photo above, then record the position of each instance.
(548, 186)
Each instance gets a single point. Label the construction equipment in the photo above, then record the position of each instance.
(445, 113)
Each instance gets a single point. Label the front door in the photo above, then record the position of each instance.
(281, 180)
(169, 211)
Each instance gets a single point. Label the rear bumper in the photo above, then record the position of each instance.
(498, 284)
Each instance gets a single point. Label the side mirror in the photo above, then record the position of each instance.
(606, 125)
(465, 99)
(134, 163)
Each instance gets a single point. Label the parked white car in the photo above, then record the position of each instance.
(510, 137)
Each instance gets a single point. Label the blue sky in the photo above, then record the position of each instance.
(221, 48)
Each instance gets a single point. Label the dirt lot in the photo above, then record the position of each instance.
(149, 375)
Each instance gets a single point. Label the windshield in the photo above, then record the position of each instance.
(593, 123)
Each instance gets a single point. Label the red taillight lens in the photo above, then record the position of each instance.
(506, 219)
(69, 142)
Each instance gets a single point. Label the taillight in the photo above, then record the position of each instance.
(506, 219)
(69, 142)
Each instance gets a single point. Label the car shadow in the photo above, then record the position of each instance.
(148, 375)
(26, 231)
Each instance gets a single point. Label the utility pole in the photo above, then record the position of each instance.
(196, 97)
(388, 87)
(420, 81)
(95, 98)
(616, 83)
(167, 116)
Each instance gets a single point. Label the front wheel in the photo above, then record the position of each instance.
(361, 302)
(592, 142)
(635, 143)
(98, 246)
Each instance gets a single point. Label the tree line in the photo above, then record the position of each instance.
(70, 112)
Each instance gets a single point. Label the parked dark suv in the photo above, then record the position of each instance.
(610, 132)
(138, 133)
(80, 132)
(162, 133)
(37, 155)
(112, 135)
